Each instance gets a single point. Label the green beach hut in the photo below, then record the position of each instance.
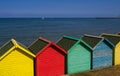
(78, 54)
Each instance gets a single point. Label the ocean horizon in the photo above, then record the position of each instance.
(26, 30)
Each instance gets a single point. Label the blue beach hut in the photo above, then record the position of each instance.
(102, 51)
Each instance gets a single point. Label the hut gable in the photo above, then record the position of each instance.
(112, 38)
(81, 43)
(42, 44)
(13, 44)
(38, 45)
(84, 44)
(91, 40)
(66, 42)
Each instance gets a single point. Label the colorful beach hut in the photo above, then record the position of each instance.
(50, 58)
(115, 39)
(102, 51)
(16, 60)
(78, 54)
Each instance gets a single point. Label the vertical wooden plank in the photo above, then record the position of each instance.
(117, 54)
(17, 63)
(50, 63)
(79, 59)
(102, 56)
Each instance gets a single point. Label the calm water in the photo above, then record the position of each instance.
(26, 30)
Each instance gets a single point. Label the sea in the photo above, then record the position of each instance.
(27, 30)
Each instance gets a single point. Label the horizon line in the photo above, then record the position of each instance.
(60, 17)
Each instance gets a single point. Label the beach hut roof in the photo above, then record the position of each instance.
(87, 45)
(6, 47)
(111, 37)
(83, 43)
(13, 44)
(91, 40)
(38, 45)
(66, 42)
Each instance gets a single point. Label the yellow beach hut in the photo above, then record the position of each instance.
(16, 60)
(115, 39)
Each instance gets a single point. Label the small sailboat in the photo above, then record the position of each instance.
(43, 18)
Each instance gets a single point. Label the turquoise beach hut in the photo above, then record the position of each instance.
(102, 51)
(78, 54)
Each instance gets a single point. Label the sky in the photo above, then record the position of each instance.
(59, 8)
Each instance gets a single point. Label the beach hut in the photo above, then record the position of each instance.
(78, 54)
(16, 60)
(115, 39)
(102, 50)
(50, 58)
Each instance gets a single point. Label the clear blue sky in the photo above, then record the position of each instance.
(59, 8)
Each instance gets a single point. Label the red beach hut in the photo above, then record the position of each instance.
(50, 58)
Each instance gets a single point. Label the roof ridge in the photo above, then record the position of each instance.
(38, 45)
(14, 41)
(43, 39)
(66, 42)
(9, 44)
(85, 43)
(53, 43)
(93, 36)
(13, 44)
(17, 44)
(92, 40)
(5, 44)
(110, 34)
(71, 37)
